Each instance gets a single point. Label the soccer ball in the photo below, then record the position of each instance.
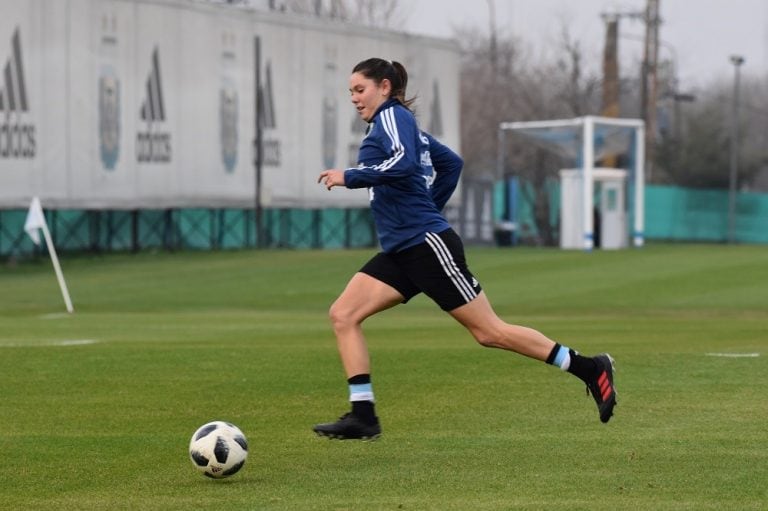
(218, 449)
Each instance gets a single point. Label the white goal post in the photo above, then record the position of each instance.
(587, 139)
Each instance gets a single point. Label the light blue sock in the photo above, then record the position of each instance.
(360, 392)
(562, 358)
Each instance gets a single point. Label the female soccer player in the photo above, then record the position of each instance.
(410, 177)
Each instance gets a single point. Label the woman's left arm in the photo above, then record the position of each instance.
(447, 165)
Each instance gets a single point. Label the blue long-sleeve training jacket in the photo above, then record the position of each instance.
(409, 174)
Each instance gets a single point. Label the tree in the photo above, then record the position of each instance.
(373, 13)
(502, 82)
(697, 153)
(379, 13)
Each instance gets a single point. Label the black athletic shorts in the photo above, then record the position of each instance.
(436, 267)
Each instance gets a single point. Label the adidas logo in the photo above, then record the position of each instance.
(267, 100)
(271, 146)
(153, 146)
(153, 107)
(17, 140)
(13, 97)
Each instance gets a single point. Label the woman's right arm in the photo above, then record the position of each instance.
(398, 158)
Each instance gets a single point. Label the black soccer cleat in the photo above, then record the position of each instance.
(349, 427)
(601, 386)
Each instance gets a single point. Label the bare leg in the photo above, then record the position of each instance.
(489, 330)
(363, 297)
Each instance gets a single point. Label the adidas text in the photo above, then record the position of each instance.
(153, 147)
(17, 141)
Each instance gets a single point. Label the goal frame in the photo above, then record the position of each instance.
(586, 127)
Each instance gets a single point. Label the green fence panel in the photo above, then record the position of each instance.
(13, 239)
(190, 228)
(684, 214)
(752, 218)
(671, 213)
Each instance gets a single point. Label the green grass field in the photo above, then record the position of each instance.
(97, 408)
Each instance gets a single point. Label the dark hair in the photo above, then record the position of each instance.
(379, 69)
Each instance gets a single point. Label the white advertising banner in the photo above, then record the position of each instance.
(108, 104)
(22, 113)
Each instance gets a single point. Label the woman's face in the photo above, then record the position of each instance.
(367, 95)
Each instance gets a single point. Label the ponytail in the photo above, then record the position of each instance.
(399, 93)
(379, 69)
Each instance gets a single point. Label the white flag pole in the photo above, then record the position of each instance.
(35, 221)
(57, 268)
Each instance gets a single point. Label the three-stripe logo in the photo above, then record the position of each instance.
(153, 107)
(153, 146)
(17, 139)
(266, 104)
(605, 386)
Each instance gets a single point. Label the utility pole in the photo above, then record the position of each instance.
(737, 61)
(494, 51)
(610, 107)
(649, 82)
(648, 72)
(611, 74)
(611, 66)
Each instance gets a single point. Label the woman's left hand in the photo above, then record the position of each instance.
(331, 178)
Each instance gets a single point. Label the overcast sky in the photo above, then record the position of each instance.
(699, 35)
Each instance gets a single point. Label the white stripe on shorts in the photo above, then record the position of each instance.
(449, 265)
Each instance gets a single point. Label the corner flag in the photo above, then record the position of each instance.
(35, 220)
(34, 223)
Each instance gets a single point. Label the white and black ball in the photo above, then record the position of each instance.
(218, 449)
